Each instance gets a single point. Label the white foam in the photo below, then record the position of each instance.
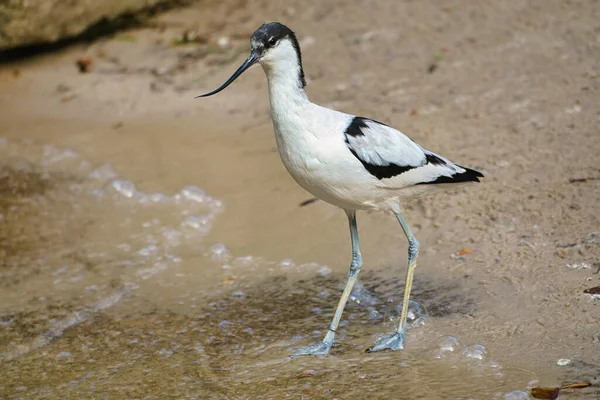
(121, 229)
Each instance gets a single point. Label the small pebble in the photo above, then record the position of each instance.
(84, 64)
(563, 361)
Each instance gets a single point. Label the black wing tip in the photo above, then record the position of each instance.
(476, 173)
(470, 175)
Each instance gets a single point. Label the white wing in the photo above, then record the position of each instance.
(379, 145)
(390, 155)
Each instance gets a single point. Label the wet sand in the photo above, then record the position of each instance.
(203, 289)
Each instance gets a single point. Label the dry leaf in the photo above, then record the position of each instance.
(578, 385)
(545, 393)
(464, 251)
(84, 64)
(552, 393)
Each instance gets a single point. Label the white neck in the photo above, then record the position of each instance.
(283, 74)
(284, 84)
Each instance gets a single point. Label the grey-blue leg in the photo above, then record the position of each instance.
(323, 347)
(395, 341)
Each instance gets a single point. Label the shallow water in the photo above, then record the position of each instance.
(109, 291)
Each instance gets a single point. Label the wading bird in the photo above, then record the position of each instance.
(352, 162)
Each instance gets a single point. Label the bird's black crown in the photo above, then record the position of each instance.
(269, 34)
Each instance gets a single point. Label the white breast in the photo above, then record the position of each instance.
(312, 148)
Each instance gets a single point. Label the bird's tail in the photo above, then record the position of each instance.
(469, 175)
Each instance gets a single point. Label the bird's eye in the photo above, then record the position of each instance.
(272, 41)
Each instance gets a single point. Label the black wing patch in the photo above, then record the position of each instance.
(383, 171)
(356, 126)
(354, 129)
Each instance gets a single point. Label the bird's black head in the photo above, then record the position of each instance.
(271, 43)
(269, 35)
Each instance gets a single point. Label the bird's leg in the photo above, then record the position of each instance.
(323, 347)
(395, 341)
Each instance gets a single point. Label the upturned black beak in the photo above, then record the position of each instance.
(250, 61)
